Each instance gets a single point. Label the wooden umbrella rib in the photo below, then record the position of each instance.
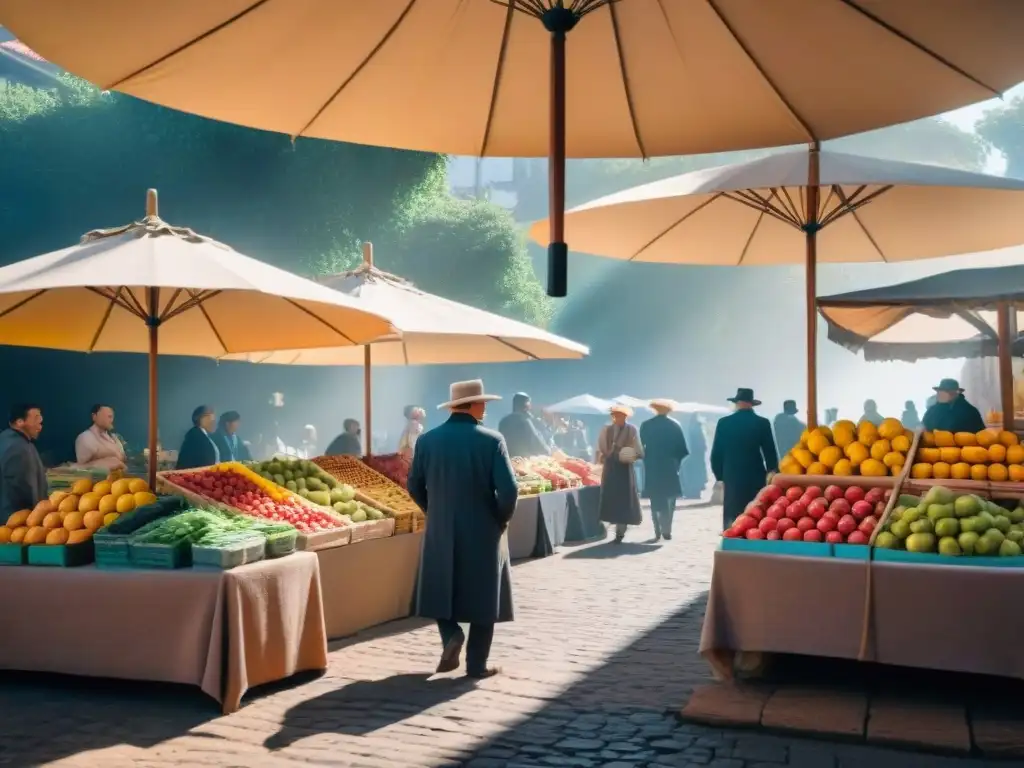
(852, 211)
(675, 224)
(499, 70)
(751, 199)
(185, 46)
(103, 321)
(213, 327)
(121, 301)
(625, 81)
(786, 200)
(512, 346)
(317, 317)
(19, 304)
(750, 238)
(170, 302)
(359, 68)
(712, 4)
(880, 22)
(194, 300)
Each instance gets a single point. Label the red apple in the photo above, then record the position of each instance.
(813, 491)
(776, 512)
(796, 510)
(754, 533)
(744, 523)
(862, 509)
(847, 524)
(769, 494)
(772, 536)
(832, 493)
(867, 525)
(857, 537)
(887, 495)
(793, 534)
(768, 524)
(834, 537)
(755, 512)
(874, 495)
(840, 507)
(826, 524)
(831, 515)
(757, 504)
(785, 524)
(805, 524)
(854, 493)
(794, 493)
(880, 508)
(812, 535)
(817, 508)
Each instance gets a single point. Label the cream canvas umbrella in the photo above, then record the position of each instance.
(763, 212)
(432, 330)
(155, 288)
(524, 78)
(581, 405)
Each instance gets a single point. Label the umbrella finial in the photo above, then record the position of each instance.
(368, 254)
(152, 210)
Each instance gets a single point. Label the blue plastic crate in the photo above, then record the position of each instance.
(765, 547)
(933, 558)
(13, 554)
(851, 551)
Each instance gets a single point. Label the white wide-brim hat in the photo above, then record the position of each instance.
(664, 404)
(466, 392)
(625, 410)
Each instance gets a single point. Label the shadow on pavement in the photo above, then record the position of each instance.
(611, 549)
(366, 706)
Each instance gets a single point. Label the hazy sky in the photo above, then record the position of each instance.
(968, 116)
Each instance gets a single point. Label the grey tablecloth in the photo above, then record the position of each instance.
(585, 515)
(957, 618)
(538, 525)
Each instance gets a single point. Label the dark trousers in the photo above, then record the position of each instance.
(662, 512)
(478, 646)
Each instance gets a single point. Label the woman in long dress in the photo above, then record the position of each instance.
(620, 500)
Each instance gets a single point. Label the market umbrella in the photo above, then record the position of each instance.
(641, 78)
(156, 288)
(958, 314)
(432, 330)
(713, 410)
(763, 212)
(581, 405)
(635, 403)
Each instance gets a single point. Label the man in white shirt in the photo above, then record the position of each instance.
(98, 447)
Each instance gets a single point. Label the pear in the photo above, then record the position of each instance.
(1002, 523)
(949, 546)
(948, 526)
(938, 495)
(967, 541)
(887, 540)
(923, 525)
(1009, 549)
(900, 529)
(920, 542)
(966, 506)
(1017, 515)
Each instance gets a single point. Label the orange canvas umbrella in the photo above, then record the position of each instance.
(524, 78)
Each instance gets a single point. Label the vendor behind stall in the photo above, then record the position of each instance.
(98, 447)
(22, 474)
(951, 411)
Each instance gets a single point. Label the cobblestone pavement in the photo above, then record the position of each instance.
(604, 649)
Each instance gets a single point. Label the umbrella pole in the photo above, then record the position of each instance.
(558, 252)
(153, 324)
(1006, 334)
(811, 285)
(368, 370)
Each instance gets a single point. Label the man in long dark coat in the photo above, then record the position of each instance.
(522, 435)
(693, 474)
(951, 411)
(788, 428)
(742, 454)
(664, 450)
(462, 479)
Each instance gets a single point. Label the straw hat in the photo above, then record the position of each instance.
(625, 410)
(465, 392)
(663, 404)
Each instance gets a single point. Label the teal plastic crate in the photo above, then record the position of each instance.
(111, 550)
(851, 551)
(13, 554)
(161, 556)
(61, 555)
(790, 548)
(932, 558)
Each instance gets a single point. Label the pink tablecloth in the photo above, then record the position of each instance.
(225, 632)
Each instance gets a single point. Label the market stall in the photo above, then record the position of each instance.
(867, 551)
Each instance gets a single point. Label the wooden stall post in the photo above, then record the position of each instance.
(368, 369)
(811, 228)
(1006, 322)
(153, 324)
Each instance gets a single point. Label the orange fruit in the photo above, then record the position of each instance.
(944, 439)
(987, 437)
(57, 497)
(120, 487)
(844, 468)
(973, 454)
(89, 502)
(69, 503)
(901, 443)
(979, 472)
(77, 537)
(53, 520)
(998, 473)
(137, 485)
(81, 487)
(125, 504)
(873, 468)
(803, 456)
(93, 520)
(960, 471)
(941, 470)
(74, 521)
(929, 455)
(894, 460)
(857, 453)
(830, 456)
(18, 534)
(1016, 473)
(5, 534)
(965, 438)
(1008, 438)
(950, 455)
(997, 453)
(928, 439)
(144, 498)
(1015, 454)
(111, 517)
(36, 535)
(879, 448)
(817, 468)
(57, 536)
(102, 488)
(108, 504)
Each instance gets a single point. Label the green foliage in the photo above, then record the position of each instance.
(1003, 127)
(76, 159)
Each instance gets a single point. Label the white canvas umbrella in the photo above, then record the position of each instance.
(582, 405)
(155, 288)
(635, 403)
(713, 410)
(765, 212)
(431, 330)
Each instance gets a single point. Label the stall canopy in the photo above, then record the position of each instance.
(581, 405)
(160, 289)
(958, 314)
(768, 212)
(526, 78)
(636, 403)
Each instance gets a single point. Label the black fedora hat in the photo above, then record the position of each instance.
(744, 395)
(949, 385)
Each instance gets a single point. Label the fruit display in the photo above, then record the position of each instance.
(304, 478)
(990, 455)
(954, 524)
(393, 466)
(376, 488)
(74, 515)
(812, 513)
(241, 489)
(528, 481)
(553, 471)
(850, 449)
(589, 474)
